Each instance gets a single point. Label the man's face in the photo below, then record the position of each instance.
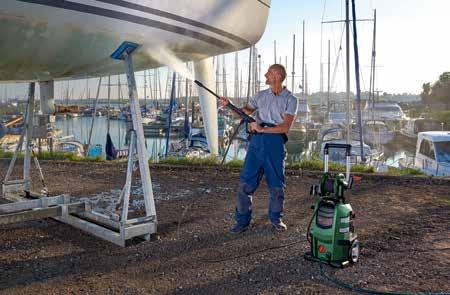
(272, 77)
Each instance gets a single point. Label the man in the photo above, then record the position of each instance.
(275, 107)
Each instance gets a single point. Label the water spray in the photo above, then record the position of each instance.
(231, 106)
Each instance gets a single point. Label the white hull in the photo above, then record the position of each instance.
(55, 39)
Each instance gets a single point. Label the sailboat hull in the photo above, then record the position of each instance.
(55, 39)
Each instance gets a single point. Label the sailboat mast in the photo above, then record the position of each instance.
(249, 72)
(145, 87)
(358, 86)
(224, 77)
(372, 73)
(236, 75)
(303, 62)
(293, 65)
(347, 67)
(328, 83)
(259, 73)
(275, 51)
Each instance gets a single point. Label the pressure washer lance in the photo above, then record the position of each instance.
(244, 118)
(247, 119)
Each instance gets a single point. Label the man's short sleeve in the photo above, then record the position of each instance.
(292, 105)
(253, 102)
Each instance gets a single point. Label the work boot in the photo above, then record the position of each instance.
(238, 228)
(279, 226)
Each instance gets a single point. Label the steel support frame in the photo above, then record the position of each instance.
(80, 215)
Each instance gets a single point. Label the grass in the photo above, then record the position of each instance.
(318, 165)
(235, 163)
(63, 156)
(314, 164)
(209, 161)
(403, 172)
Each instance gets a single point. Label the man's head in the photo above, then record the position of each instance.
(275, 75)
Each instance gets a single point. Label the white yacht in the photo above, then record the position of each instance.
(433, 153)
(416, 125)
(383, 111)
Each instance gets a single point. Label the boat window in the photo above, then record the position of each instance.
(426, 149)
(443, 151)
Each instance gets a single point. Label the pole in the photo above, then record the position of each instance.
(329, 86)
(236, 75)
(358, 87)
(249, 72)
(255, 70)
(275, 51)
(94, 114)
(373, 62)
(224, 77)
(259, 72)
(217, 74)
(145, 87)
(109, 102)
(169, 123)
(347, 67)
(303, 61)
(293, 65)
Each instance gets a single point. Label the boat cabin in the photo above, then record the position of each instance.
(433, 153)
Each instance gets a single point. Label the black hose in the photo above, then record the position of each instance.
(344, 285)
(309, 225)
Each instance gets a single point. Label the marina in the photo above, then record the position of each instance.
(214, 147)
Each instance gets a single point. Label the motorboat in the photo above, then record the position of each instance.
(433, 153)
(416, 125)
(390, 113)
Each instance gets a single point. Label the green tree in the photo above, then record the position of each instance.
(438, 93)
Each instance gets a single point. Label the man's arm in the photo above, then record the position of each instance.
(280, 128)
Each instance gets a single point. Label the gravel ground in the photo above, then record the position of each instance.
(403, 224)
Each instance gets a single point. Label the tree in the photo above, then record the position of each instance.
(438, 93)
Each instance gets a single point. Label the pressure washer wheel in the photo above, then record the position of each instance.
(353, 251)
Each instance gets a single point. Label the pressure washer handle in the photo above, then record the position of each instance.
(348, 149)
(231, 106)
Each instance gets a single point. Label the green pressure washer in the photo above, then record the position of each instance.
(330, 232)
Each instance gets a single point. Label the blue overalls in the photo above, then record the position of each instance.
(265, 156)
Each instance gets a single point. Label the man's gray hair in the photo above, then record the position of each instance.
(280, 69)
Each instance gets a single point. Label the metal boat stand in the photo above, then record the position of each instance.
(117, 228)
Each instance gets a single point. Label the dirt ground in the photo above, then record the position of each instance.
(403, 225)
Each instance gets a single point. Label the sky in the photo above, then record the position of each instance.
(412, 45)
(412, 41)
